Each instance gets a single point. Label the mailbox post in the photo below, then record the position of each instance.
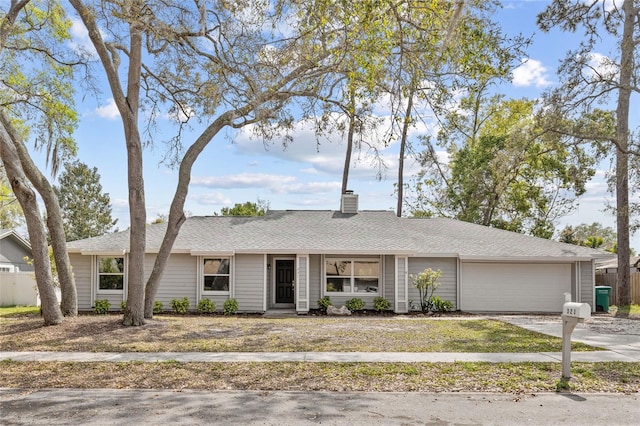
(572, 314)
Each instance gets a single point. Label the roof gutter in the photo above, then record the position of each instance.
(536, 259)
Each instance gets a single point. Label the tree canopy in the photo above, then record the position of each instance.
(248, 208)
(86, 209)
(11, 215)
(502, 169)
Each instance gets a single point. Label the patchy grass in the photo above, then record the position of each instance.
(17, 311)
(629, 311)
(386, 377)
(256, 334)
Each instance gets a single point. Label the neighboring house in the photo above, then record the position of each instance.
(610, 266)
(13, 250)
(17, 281)
(289, 259)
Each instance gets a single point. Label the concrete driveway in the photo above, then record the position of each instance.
(618, 335)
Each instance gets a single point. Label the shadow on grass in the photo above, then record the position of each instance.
(498, 336)
(629, 311)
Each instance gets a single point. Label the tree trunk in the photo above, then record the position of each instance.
(134, 312)
(128, 107)
(176, 213)
(403, 147)
(347, 156)
(69, 303)
(37, 236)
(622, 157)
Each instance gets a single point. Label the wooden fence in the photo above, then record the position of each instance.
(612, 281)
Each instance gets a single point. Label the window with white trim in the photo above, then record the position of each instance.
(110, 273)
(360, 275)
(216, 274)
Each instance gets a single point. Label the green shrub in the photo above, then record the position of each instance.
(206, 306)
(102, 306)
(426, 282)
(157, 307)
(439, 305)
(355, 304)
(324, 303)
(180, 306)
(123, 305)
(381, 304)
(230, 306)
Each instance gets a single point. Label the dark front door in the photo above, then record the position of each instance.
(284, 280)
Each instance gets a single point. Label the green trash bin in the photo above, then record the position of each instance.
(603, 293)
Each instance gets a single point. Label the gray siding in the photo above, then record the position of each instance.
(315, 280)
(587, 284)
(338, 300)
(179, 279)
(301, 285)
(401, 276)
(249, 282)
(82, 275)
(448, 281)
(389, 279)
(12, 252)
(114, 299)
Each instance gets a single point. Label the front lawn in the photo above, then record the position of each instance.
(169, 333)
(15, 311)
(629, 311)
(514, 378)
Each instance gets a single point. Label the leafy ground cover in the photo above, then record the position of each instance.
(168, 333)
(516, 378)
(629, 311)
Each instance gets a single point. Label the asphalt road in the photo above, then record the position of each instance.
(150, 407)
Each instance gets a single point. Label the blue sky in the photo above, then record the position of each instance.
(237, 167)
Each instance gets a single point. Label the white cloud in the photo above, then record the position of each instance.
(180, 115)
(211, 198)
(242, 180)
(324, 154)
(309, 188)
(80, 41)
(601, 67)
(309, 171)
(530, 73)
(109, 111)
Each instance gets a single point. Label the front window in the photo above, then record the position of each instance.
(352, 275)
(110, 273)
(216, 274)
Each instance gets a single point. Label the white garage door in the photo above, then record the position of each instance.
(514, 287)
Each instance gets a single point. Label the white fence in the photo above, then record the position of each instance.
(18, 288)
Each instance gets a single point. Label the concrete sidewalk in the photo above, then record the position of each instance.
(596, 356)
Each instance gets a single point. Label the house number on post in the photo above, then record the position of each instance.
(572, 314)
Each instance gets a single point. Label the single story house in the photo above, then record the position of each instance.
(610, 266)
(13, 250)
(289, 259)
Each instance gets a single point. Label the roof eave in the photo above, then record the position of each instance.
(536, 259)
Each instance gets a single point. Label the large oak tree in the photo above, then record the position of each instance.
(36, 100)
(589, 80)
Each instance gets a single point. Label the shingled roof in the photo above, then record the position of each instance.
(322, 231)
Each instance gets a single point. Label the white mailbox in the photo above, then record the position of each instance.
(577, 310)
